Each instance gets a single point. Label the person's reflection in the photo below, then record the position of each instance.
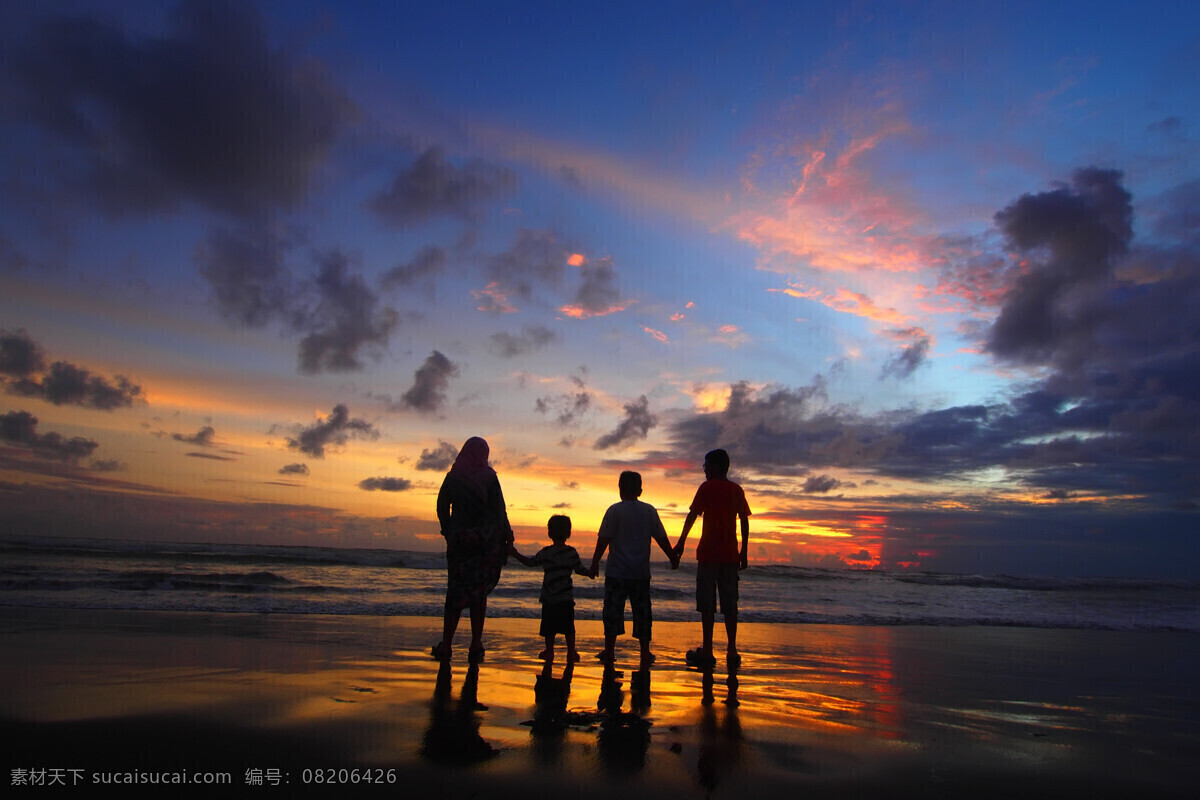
(721, 736)
(549, 726)
(624, 738)
(453, 733)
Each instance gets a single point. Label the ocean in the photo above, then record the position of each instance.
(103, 574)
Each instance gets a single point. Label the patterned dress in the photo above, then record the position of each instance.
(477, 538)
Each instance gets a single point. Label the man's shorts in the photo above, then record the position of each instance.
(714, 578)
(638, 592)
(558, 618)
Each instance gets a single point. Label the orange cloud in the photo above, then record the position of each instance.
(579, 312)
(576, 260)
(848, 302)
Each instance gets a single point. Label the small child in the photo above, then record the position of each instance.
(628, 527)
(558, 560)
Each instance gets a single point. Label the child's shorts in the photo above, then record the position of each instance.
(558, 618)
(638, 592)
(714, 578)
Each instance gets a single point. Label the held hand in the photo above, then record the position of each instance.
(675, 561)
(678, 549)
(593, 571)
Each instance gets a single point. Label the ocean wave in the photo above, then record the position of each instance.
(1042, 584)
(224, 553)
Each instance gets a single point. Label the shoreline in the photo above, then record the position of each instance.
(825, 709)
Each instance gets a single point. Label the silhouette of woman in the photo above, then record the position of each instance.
(471, 510)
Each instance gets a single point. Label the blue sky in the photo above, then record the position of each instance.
(925, 270)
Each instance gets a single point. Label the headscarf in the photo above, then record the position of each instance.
(471, 467)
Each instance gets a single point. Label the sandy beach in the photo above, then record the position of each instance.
(289, 704)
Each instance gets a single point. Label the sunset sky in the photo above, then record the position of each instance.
(929, 271)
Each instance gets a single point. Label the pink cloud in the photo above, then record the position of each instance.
(835, 215)
(493, 298)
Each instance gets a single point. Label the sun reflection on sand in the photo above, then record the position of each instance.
(827, 702)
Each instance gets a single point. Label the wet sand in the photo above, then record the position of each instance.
(827, 711)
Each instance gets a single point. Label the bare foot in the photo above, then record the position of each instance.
(572, 655)
(546, 655)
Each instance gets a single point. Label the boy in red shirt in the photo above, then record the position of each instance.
(719, 500)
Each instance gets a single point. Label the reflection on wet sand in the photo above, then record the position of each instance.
(550, 720)
(812, 705)
(453, 733)
(722, 742)
(624, 736)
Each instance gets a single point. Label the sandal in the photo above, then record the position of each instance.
(440, 652)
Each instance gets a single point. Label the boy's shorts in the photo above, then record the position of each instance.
(558, 618)
(638, 592)
(713, 578)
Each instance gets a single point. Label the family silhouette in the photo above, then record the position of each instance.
(479, 541)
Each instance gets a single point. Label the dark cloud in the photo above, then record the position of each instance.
(819, 484)
(210, 456)
(294, 469)
(108, 465)
(207, 113)
(247, 270)
(344, 321)
(68, 384)
(569, 407)
(20, 356)
(598, 293)
(336, 429)
(536, 258)
(531, 337)
(430, 381)
(427, 262)
(1070, 237)
(778, 428)
(431, 187)
(913, 352)
(1170, 128)
(1111, 322)
(384, 484)
(20, 427)
(202, 437)
(1178, 212)
(439, 459)
(636, 425)
(338, 315)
